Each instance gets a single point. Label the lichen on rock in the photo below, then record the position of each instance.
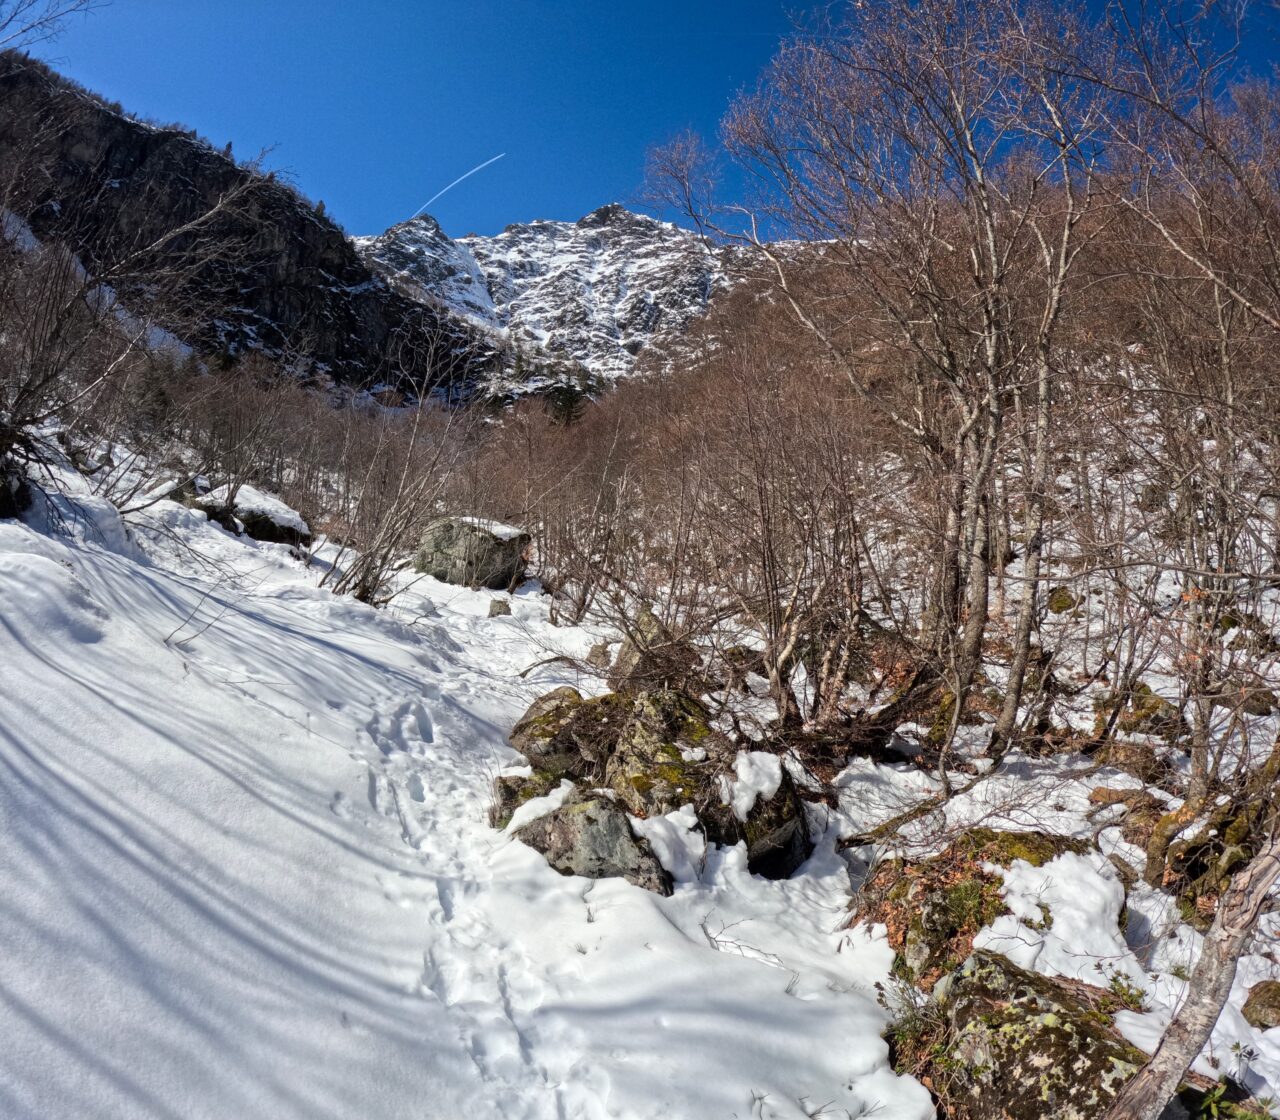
(1262, 1007)
(1027, 1048)
(656, 751)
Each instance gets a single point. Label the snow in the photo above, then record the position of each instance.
(1080, 897)
(494, 528)
(252, 500)
(248, 870)
(756, 774)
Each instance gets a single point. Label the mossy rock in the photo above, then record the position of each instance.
(657, 751)
(1026, 1048)
(1060, 600)
(563, 736)
(509, 793)
(1262, 1007)
(668, 755)
(987, 845)
(579, 734)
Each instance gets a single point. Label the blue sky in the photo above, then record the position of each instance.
(373, 106)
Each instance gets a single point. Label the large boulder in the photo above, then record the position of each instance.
(249, 511)
(474, 552)
(592, 837)
(563, 729)
(1023, 1047)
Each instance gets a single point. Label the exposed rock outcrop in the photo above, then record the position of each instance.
(656, 752)
(1029, 1049)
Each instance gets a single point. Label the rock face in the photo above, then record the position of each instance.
(591, 837)
(15, 493)
(592, 293)
(474, 553)
(419, 259)
(656, 752)
(1030, 1050)
(1262, 1008)
(290, 284)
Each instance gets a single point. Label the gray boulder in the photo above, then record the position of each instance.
(592, 837)
(474, 553)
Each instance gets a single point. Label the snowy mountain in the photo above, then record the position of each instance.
(594, 292)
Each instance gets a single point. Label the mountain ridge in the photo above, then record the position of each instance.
(592, 293)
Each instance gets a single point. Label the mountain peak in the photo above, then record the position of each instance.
(613, 214)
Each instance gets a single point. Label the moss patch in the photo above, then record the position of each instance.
(1060, 600)
(932, 909)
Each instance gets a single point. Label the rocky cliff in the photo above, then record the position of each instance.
(269, 271)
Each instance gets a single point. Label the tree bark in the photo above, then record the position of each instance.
(1149, 1092)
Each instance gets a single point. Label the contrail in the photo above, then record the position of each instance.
(478, 167)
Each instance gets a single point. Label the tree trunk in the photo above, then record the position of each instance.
(1145, 1097)
(1033, 550)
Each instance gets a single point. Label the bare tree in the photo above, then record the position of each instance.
(23, 23)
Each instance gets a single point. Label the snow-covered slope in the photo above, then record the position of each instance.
(594, 292)
(247, 871)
